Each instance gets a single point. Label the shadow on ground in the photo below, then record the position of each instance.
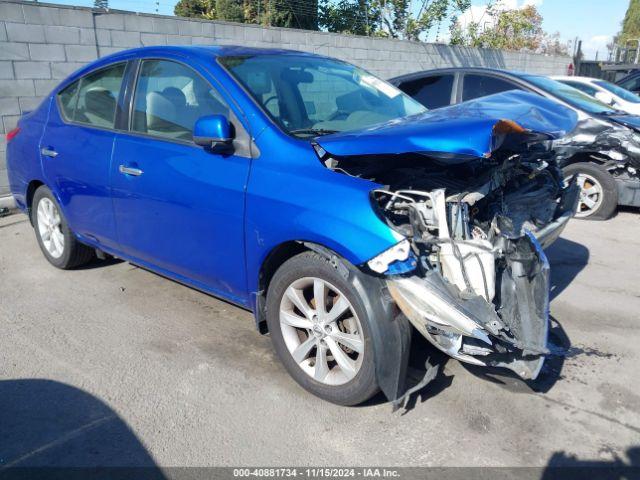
(568, 467)
(567, 260)
(53, 430)
(421, 353)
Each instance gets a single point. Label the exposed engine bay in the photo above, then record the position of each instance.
(471, 275)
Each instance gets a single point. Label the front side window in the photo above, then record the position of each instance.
(476, 86)
(92, 100)
(170, 97)
(432, 92)
(308, 96)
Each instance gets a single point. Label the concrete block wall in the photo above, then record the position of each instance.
(40, 44)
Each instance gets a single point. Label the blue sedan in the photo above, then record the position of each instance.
(335, 207)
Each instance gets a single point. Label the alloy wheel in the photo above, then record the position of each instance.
(321, 331)
(591, 195)
(49, 227)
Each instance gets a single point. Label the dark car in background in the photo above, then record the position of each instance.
(631, 82)
(603, 151)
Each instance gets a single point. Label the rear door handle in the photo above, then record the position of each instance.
(136, 172)
(48, 152)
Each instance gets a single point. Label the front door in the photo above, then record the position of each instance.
(76, 152)
(180, 207)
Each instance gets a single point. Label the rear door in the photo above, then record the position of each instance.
(178, 206)
(76, 151)
(433, 91)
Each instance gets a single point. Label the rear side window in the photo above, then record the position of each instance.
(170, 97)
(432, 92)
(92, 100)
(476, 86)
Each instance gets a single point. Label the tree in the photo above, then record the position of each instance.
(280, 13)
(518, 29)
(195, 8)
(631, 23)
(388, 18)
(347, 16)
(552, 44)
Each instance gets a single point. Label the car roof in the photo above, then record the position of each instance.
(206, 51)
(495, 71)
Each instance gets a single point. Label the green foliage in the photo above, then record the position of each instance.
(348, 16)
(195, 8)
(388, 18)
(631, 23)
(519, 29)
(280, 13)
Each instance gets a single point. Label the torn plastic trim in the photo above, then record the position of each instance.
(399, 259)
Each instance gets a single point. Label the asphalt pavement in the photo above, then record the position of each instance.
(113, 365)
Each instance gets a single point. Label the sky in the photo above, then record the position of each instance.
(593, 21)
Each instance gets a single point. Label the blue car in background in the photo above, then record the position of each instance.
(335, 207)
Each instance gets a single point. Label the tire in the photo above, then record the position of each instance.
(595, 177)
(69, 253)
(337, 385)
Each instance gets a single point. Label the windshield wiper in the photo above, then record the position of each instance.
(313, 131)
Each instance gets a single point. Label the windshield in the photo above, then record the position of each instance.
(310, 96)
(570, 95)
(619, 91)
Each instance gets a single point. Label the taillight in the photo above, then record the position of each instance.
(12, 134)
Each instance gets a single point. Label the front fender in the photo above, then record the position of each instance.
(311, 204)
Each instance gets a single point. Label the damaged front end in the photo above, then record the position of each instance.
(480, 289)
(471, 274)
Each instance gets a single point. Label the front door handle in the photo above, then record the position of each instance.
(136, 172)
(48, 152)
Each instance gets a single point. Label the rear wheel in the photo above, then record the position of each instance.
(598, 191)
(320, 330)
(57, 242)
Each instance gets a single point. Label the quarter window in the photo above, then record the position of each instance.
(170, 97)
(432, 92)
(92, 100)
(68, 99)
(476, 86)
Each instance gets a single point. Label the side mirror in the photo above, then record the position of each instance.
(605, 98)
(213, 131)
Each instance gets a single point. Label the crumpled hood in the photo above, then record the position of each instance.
(471, 128)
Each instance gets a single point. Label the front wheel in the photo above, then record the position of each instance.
(598, 191)
(57, 242)
(320, 330)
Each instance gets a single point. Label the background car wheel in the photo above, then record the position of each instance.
(598, 191)
(56, 241)
(320, 330)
